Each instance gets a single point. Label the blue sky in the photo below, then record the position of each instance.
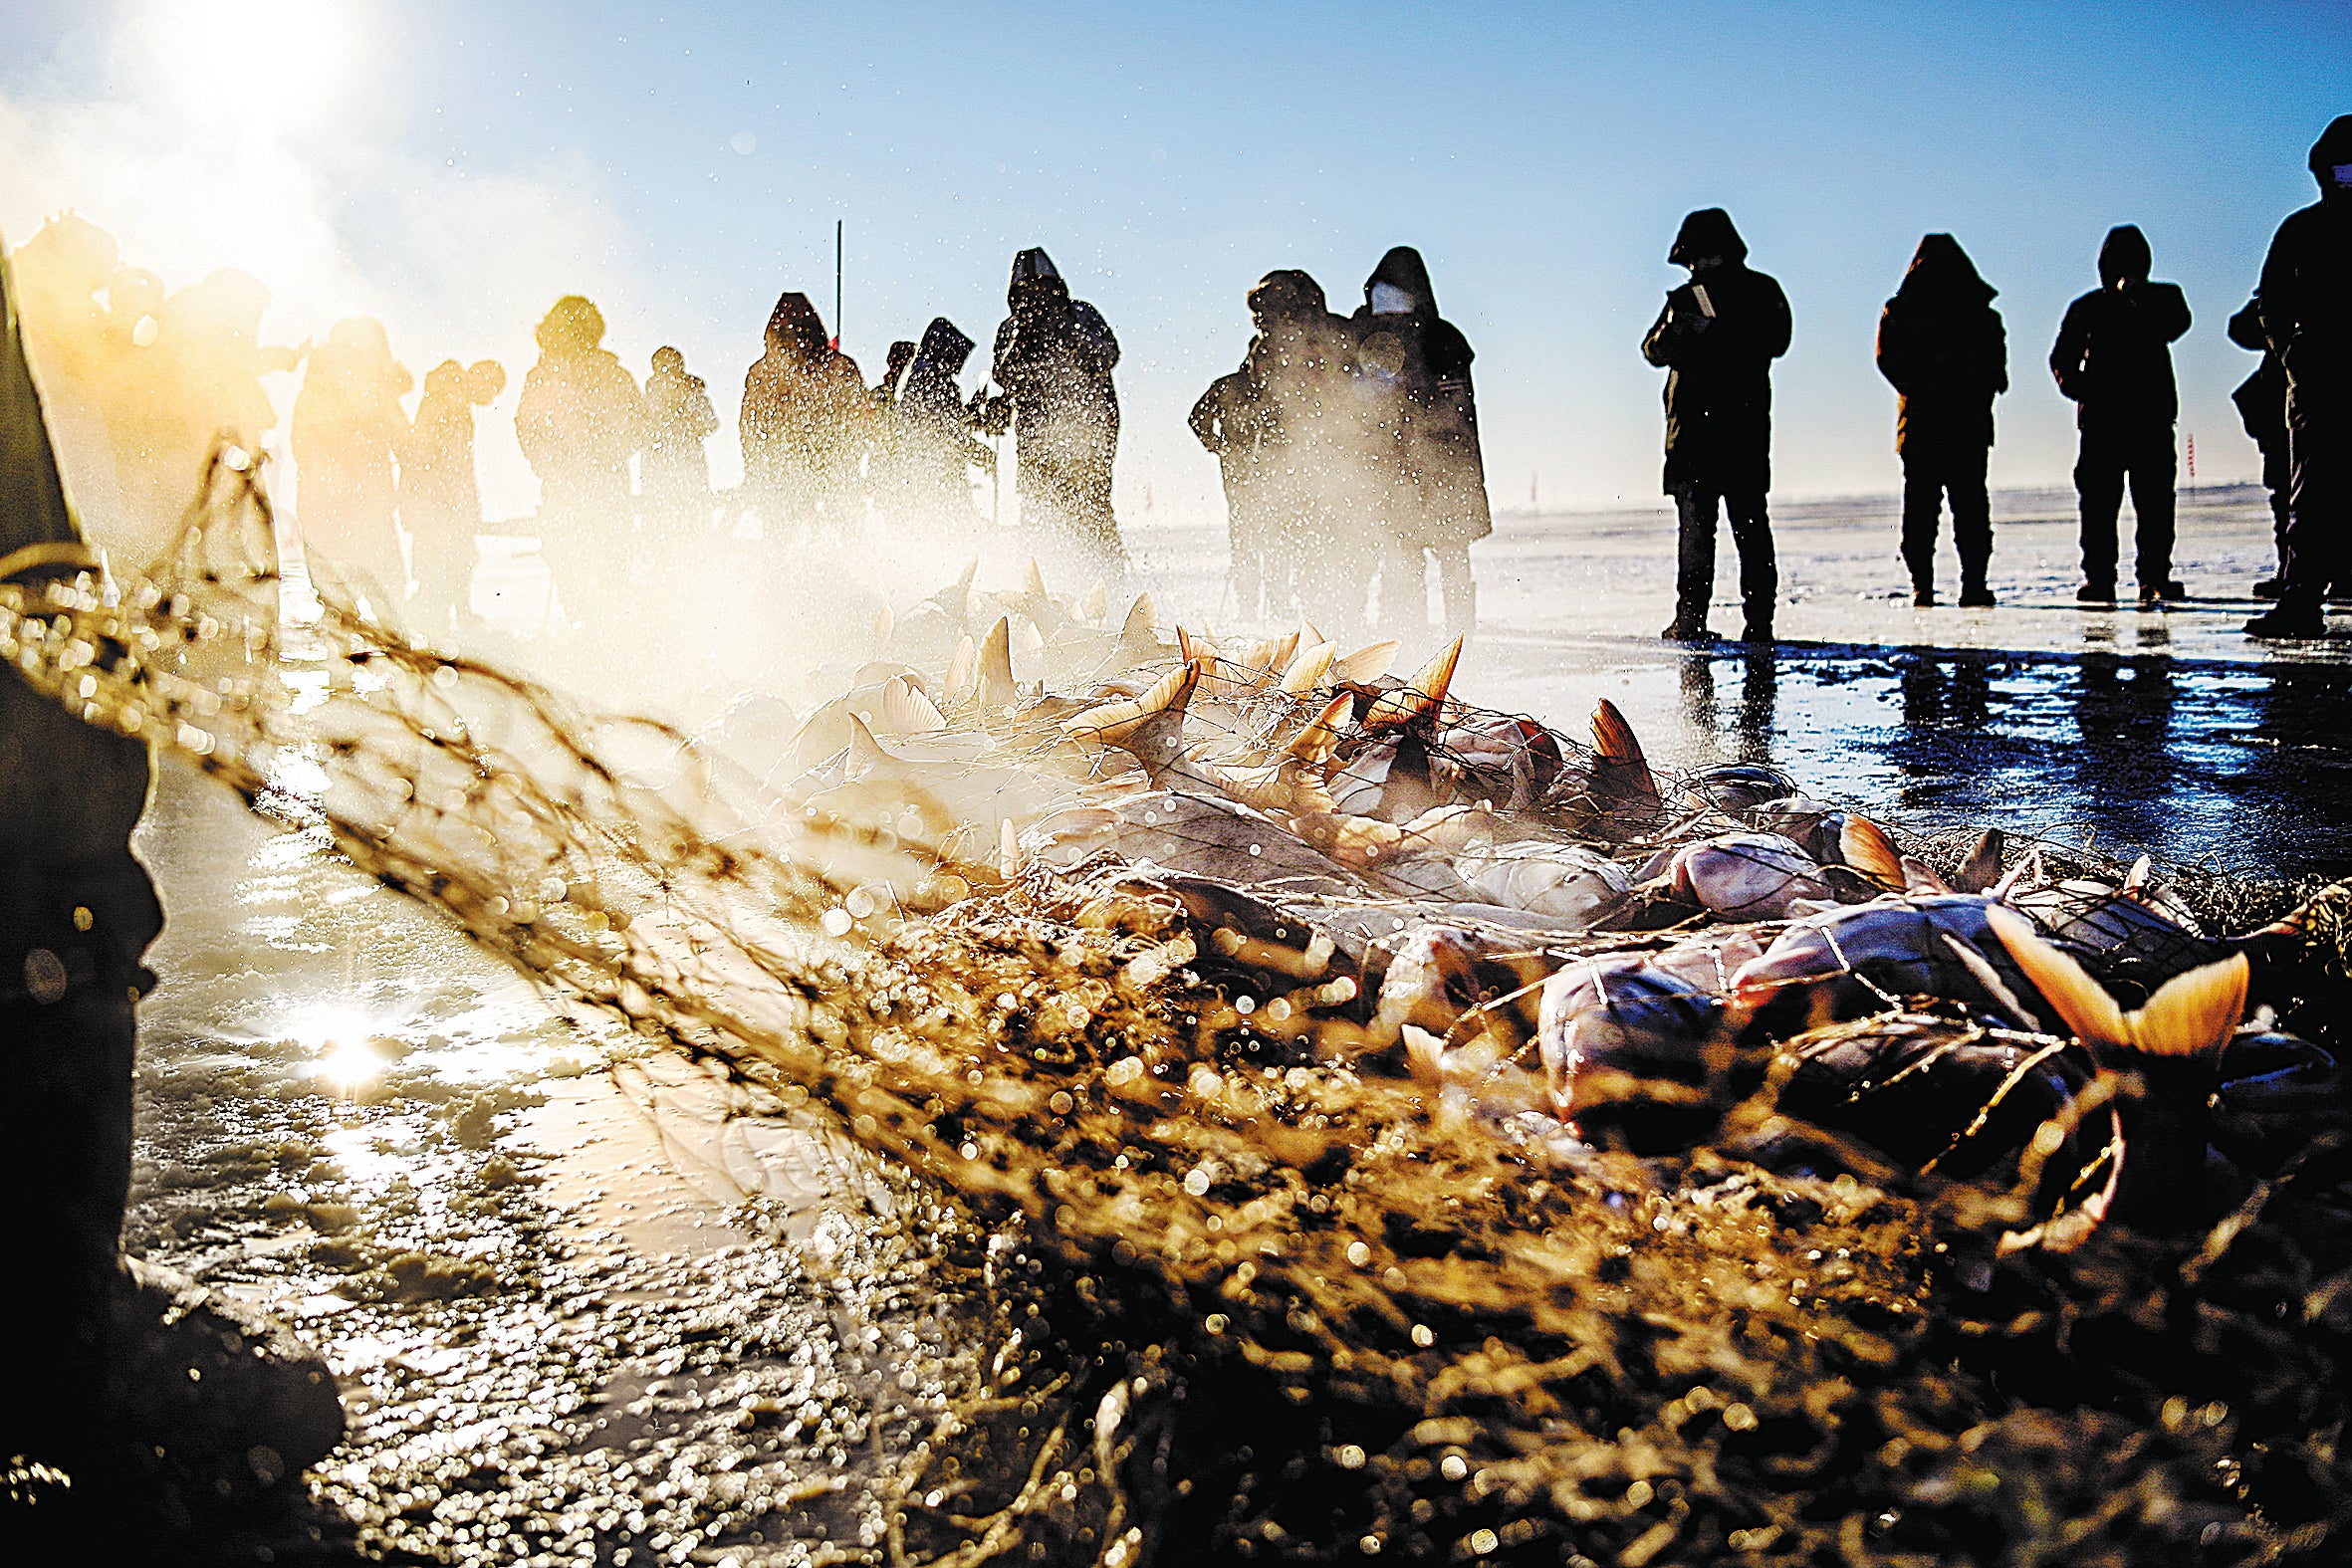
(454, 165)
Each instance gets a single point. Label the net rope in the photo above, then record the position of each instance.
(1283, 1305)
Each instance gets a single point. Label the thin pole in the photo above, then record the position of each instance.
(836, 284)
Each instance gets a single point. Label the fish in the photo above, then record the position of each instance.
(1745, 876)
(1571, 883)
(1637, 1049)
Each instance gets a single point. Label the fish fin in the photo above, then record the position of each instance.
(1981, 869)
(1314, 744)
(1139, 640)
(1097, 603)
(1310, 670)
(909, 710)
(994, 669)
(1425, 1056)
(1368, 663)
(1917, 876)
(865, 753)
(1029, 636)
(2077, 998)
(1421, 697)
(1622, 775)
(2334, 899)
(960, 668)
(1199, 652)
(1033, 579)
(1612, 736)
(1864, 846)
(1150, 727)
(2135, 881)
(1008, 848)
(2191, 1014)
(885, 624)
(1307, 635)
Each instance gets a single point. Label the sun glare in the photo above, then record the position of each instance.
(259, 58)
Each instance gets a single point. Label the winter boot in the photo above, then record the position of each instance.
(2298, 615)
(2095, 593)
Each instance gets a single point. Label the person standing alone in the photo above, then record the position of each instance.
(1717, 340)
(2114, 359)
(1942, 346)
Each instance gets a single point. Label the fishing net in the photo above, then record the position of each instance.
(1258, 1298)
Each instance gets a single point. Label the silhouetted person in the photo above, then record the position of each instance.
(1940, 344)
(901, 354)
(579, 422)
(674, 476)
(1230, 422)
(1417, 366)
(77, 912)
(2307, 319)
(2261, 407)
(804, 423)
(2114, 359)
(938, 433)
(1054, 357)
(347, 433)
(440, 496)
(1301, 367)
(1717, 339)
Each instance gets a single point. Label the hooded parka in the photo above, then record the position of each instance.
(1942, 347)
(1413, 368)
(938, 431)
(440, 496)
(2114, 359)
(1053, 357)
(1717, 339)
(804, 415)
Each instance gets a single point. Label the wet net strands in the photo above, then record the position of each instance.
(1271, 1299)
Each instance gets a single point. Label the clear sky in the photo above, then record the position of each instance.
(452, 166)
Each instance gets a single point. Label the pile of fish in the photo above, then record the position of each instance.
(1557, 938)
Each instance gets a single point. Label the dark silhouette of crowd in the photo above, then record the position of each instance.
(1349, 446)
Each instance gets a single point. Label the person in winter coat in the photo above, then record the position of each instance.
(440, 497)
(804, 422)
(1717, 340)
(1230, 422)
(674, 476)
(1942, 347)
(1414, 369)
(580, 421)
(1053, 357)
(347, 431)
(2261, 407)
(1300, 366)
(938, 433)
(2114, 359)
(2308, 321)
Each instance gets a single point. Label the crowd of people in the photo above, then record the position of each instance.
(1348, 445)
(142, 384)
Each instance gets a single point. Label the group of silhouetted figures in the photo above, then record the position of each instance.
(1942, 347)
(1348, 445)
(1349, 451)
(142, 384)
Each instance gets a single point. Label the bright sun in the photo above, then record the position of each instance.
(260, 59)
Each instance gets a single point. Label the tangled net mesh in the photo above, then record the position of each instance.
(1270, 1306)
